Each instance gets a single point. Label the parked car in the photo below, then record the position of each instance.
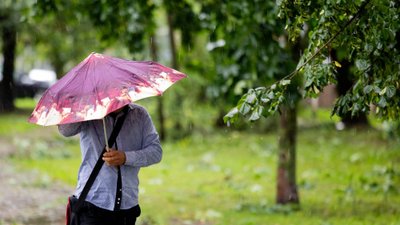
(34, 83)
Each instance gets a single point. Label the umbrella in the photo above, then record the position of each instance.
(99, 85)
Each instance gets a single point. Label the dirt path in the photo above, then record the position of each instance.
(28, 197)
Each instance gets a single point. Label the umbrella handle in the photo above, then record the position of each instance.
(105, 133)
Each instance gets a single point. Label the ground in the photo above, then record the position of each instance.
(29, 198)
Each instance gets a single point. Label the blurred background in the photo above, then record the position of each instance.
(302, 164)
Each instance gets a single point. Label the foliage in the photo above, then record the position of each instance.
(366, 32)
(184, 19)
(96, 26)
(8, 15)
(125, 21)
(260, 102)
(57, 33)
(245, 43)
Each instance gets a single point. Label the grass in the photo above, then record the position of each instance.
(16, 123)
(228, 177)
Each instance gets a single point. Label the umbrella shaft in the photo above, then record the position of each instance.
(105, 133)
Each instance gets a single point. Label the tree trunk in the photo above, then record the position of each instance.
(58, 64)
(286, 180)
(172, 41)
(9, 38)
(160, 101)
(161, 118)
(178, 98)
(287, 192)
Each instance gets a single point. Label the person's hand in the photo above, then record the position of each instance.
(114, 157)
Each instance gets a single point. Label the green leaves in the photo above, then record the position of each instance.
(362, 64)
(124, 21)
(367, 89)
(367, 37)
(390, 91)
(259, 102)
(244, 35)
(317, 76)
(384, 98)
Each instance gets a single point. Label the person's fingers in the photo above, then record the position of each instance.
(106, 160)
(110, 154)
(115, 158)
(107, 157)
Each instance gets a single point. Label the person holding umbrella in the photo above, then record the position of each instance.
(138, 146)
(94, 99)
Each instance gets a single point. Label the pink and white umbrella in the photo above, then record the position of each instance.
(100, 85)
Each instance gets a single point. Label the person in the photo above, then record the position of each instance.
(137, 145)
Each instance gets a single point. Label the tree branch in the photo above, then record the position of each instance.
(357, 15)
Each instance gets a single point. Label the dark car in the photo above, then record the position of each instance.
(34, 83)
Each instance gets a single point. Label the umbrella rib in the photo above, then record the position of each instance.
(144, 81)
(130, 72)
(72, 78)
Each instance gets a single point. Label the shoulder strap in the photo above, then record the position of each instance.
(100, 161)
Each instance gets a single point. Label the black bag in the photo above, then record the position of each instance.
(71, 218)
(75, 204)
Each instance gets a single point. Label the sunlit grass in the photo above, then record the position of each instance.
(229, 177)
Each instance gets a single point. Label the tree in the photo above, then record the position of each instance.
(180, 17)
(8, 27)
(246, 40)
(369, 30)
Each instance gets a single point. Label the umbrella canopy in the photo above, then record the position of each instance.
(99, 85)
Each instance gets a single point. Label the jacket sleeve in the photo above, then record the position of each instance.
(70, 129)
(151, 153)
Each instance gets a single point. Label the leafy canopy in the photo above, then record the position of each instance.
(364, 32)
(244, 41)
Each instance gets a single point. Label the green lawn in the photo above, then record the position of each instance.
(228, 177)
